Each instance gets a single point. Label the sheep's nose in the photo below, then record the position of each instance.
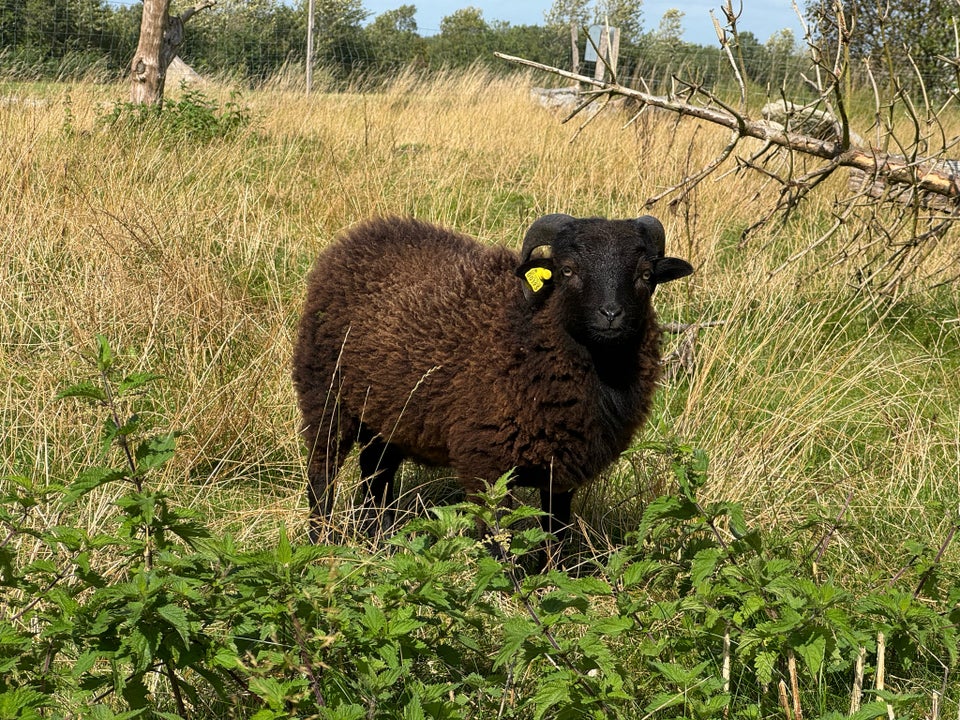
(611, 311)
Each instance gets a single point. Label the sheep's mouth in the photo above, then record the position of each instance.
(606, 334)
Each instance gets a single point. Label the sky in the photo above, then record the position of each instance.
(761, 17)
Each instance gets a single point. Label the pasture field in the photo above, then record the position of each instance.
(819, 405)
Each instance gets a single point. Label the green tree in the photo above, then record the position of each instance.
(781, 50)
(623, 14)
(564, 12)
(393, 37)
(247, 38)
(339, 40)
(670, 31)
(900, 39)
(11, 22)
(533, 42)
(61, 26)
(124, 24)
(464, 38)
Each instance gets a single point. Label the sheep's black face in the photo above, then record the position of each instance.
(601, 275)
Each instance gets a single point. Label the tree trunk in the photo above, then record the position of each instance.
(148, 71)
(160, 38)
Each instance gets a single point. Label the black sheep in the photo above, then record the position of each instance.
(421, 343)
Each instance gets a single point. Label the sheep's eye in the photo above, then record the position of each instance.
(566, 271)
(647, 274)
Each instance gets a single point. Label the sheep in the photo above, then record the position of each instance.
(418, 342)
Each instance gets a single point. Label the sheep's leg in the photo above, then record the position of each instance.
(556, 520)
(328, 446)
(379, 462)
(557, 508)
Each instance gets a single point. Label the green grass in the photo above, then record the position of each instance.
(812, 400)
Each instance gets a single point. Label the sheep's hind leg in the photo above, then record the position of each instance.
(379, 462)
(328, 445)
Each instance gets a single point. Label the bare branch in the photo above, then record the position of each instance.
(922, 174)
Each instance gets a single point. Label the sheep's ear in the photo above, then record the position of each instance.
(670, 268)
(536, 267)
(536, 279)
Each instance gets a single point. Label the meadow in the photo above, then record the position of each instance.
(827, 412)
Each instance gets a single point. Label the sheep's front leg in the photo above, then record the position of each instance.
(555, 521)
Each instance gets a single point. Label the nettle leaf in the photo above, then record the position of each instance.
(524, 512)
(666, 507)
(135, 381)
(662, 701)
(374, 619)
(516, 633)
(284, 550)
(343, 712)
(155, 451)
(751, 604)
(639, 572)
(679, 675)
(764, 664)
(105, 712)
(585, 587)
(89, 480)
(612, 626)
(136, 693)
(22, 703)
(413, 710)
(177, 617)
(738, 523)
(85, 662)
(555, 690)
(557, 602)
(870, 711)
(700, 463)
(85, 390)
(141, 648)
(403, 624)
(104, 354)
(714, 706)
(270, 691)
(140, 506)
(488, 576)
(813, 652)
(227, 659)
(703, 565)
(71, 538)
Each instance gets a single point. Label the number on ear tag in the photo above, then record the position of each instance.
(535, 277)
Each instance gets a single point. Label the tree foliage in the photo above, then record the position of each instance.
(393, 37)
(902, 41)
(465, 37)
(255, 39)
(623, 14)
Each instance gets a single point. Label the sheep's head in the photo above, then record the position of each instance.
(599, 274)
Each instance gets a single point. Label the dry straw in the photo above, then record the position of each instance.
(191, 257)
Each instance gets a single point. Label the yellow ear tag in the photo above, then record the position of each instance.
(535, 277)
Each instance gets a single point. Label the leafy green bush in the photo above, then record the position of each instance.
(193, 116)
(697, 615)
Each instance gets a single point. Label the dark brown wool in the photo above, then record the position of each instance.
(420, 343)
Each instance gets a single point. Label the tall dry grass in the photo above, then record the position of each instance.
(191, 257)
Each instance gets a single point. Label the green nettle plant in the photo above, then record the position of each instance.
(192, 116)
(697, 615)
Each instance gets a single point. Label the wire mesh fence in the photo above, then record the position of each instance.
(254, 41)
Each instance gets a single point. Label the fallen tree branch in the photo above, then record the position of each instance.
(683, 357)
(922, 174)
